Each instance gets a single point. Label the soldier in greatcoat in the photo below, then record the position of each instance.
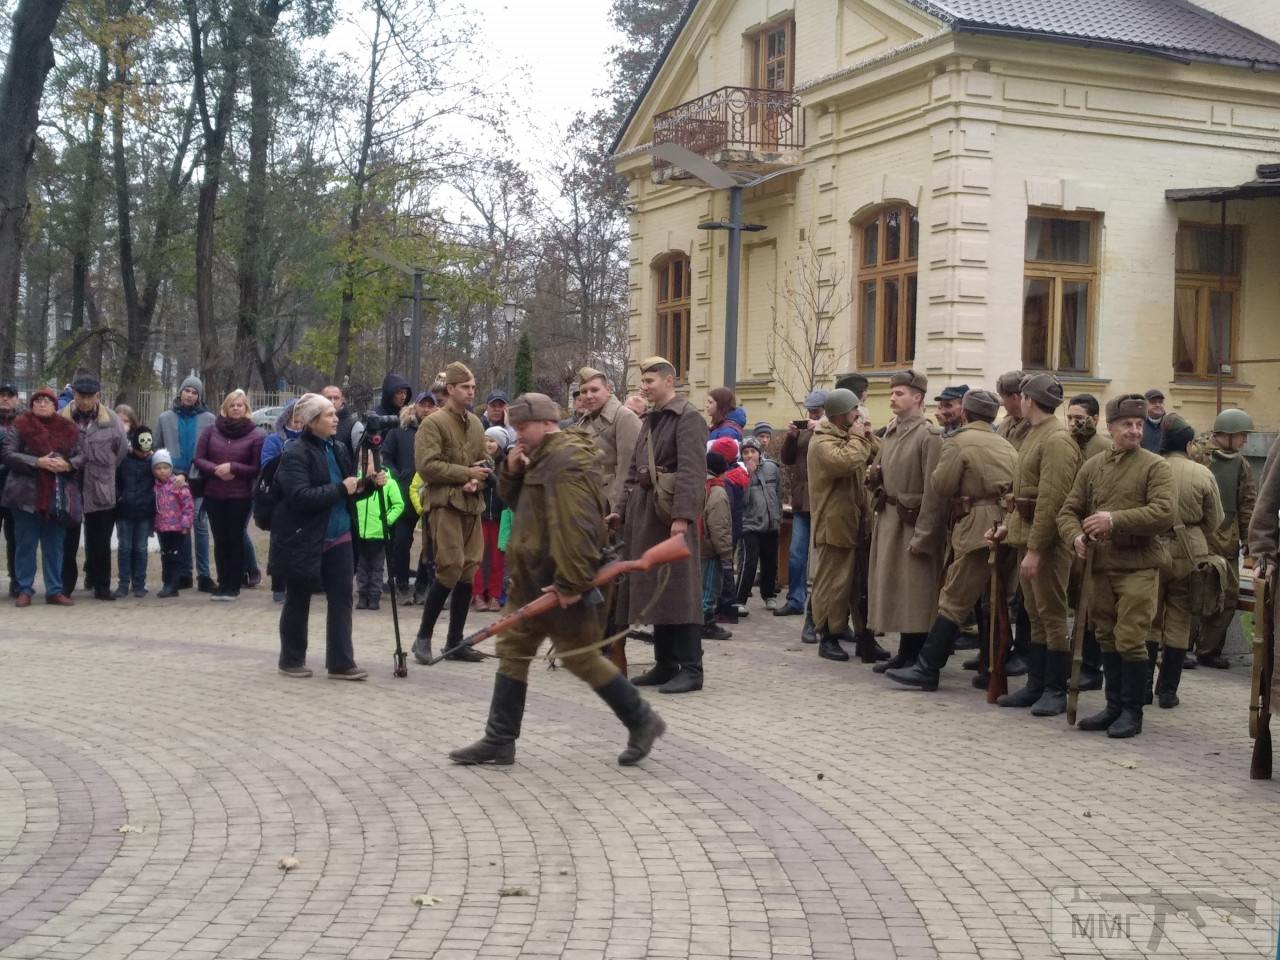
(907, 543)
(973, 475)
(1122, 501)
(1264, 532)
(674, 439)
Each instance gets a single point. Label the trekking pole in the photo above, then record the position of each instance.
(401, 658)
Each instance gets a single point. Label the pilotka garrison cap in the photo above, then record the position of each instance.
(651, 362)
(1126, 405)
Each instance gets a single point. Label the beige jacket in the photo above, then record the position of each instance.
(615, 429)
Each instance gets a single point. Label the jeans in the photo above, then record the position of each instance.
(200, 530)
(798, 562)
(131, 552)
(226, 523)
(336, 572)
(710, 588)
(759, 550)
(97, 552)
(50, 537)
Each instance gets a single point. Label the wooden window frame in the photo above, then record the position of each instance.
(1205, 284)
(672, 321)
(759, 59)
(904, 269)
(1058, 273)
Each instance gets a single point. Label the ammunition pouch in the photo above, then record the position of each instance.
(1131, 541)
(907, 515)
(1025, 507)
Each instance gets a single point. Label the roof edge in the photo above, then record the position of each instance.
(653, 75)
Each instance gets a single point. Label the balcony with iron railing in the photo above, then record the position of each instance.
(739, 128)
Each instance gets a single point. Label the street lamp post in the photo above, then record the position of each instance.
(509, 315)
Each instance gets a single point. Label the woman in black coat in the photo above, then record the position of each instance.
(311, 531)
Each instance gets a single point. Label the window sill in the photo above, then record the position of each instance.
(1211, 385)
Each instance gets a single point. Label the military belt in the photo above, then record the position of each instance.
(1131, 541)
(907, 515)
(963, 506)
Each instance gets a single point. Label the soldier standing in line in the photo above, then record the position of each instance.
(974, 474)
(1123, 500)
(1082, 420)
(838, 456)
(1198, 514)
(1013, 427)
(907, 546)
(950, 412)
(1047, 463)
(658, 502)
(449, 453)
(1236, 490)
(557, 540)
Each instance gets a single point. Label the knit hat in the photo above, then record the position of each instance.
(1126, 405)
(983, 404)
(910, 378)
(141, 439)
(499, 436)
(727, 447)
(1176, 433)
(161, 456)
(86, 385)
(816, 400)
(457, 372)
(717, 466)
(853, 381)
(1008, 383)
(309, 406)
(762, 426)
(532, 406)
(751, 443)
(44, 392)
(1044, 389)
(195, 383)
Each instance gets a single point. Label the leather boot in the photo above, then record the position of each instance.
(435, 600)
(909, 645)
(459, 604)
(973, 663)
(665, 666)
(688, 651)
(931, 659)
(506, 710)
(1133, 681)
(1034, 686)
(829, 647)
(808, 633)
(1090, 662)
(1015, 663)
(1153, 652)
(1057, 674)
(867, 650)
(636, 715)
(1111, 712)
(1170, 675)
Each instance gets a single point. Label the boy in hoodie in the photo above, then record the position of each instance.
(135, 512)
(717, 546)
(177, 431)
(371, 539)
(175, 512)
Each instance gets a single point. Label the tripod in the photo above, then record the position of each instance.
(373, 443)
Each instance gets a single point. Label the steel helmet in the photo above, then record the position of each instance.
(1233, 421)
(840, 401)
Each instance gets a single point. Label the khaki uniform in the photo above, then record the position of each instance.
(1238, 494)
(974, 472)
(1047, 463)
(445, 446)
(1136, 487)
(1199, 511)
(557, 537)
(615, 429)
(1014, 429)
(907, 548)
(1263, 533)
(1098, 443)
(837, 462)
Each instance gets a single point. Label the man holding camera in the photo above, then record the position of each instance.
(450, 455)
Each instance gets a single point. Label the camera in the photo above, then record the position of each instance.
(375, 422)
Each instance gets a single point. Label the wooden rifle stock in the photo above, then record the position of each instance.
(671, 550)
(1264, 659)
(1077, 631)
(998, 632)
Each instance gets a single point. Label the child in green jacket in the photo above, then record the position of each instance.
(371, 541)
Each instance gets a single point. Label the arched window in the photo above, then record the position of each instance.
(888, 262)
(672, 300)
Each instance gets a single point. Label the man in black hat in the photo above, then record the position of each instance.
(8, 413)
(104, 444)
(1152, 435)
(949, 401)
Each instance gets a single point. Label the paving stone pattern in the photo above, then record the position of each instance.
(797, 808)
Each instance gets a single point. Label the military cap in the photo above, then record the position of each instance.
(840, 401)
(983, 403)
(816, 400)
(956, 392)
(1230, 420)
(1154, 394)
(1126, 405)
(86, 385)
(589, 373)
(1044, 389)
(651, 362)
(456, 373)
(853, 381)
(533, 406)
(910, 378)
(1176, 433)
(1009, 382)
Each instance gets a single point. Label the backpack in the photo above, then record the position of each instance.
(265, 494)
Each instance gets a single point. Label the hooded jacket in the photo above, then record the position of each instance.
(392, 384)
(369, 524)
(397, 448)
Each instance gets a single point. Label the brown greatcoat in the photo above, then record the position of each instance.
(1263, 530)
(614, 429)
(904, 583)
(679, 437)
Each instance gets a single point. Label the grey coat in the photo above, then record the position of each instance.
(764, 499)
(103, 444)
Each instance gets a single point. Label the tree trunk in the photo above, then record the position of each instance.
(29, 63)
(87, 201)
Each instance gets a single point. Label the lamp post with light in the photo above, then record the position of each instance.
(509, 310)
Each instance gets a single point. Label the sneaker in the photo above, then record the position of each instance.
(741, 610)
(375, 603)
(351, 673)
(122, 591)
(139, 592)
(771, 604)
(277, 596)
(167, 591)
(205, 584)
(713, 631)
(300, 673)
(362, 602)
(252, 578)
(226, 596)
(788, 611)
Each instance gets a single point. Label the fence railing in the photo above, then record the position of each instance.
(152, 403)
(733, 118)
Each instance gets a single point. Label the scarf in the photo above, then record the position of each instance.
(234, 429)
(186, 435)
(338, 524)
(40, 436)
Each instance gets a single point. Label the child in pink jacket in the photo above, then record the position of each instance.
(175, 512)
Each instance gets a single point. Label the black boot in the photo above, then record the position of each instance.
(665, 666)
(1090, 662)
(1170, 675)
(1015, 663)
(1153, 651)
(431, 607)
(909, 645)
(506, 710)
(1034, 686)
(973, 663)
(688, 650)
(808, 633)
(829, 647)
(170, 589)
(1057, 674)
(459, 604)
(362, 602)
(1133, 681)
(1111, 712)
(639, 718)
(932, 657)
(867, 650)
(420, 588)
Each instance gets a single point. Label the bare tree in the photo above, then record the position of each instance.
(814, 295)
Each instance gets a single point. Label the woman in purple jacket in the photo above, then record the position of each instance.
(228, 454)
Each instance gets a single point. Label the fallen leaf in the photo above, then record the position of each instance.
(288, 863)
(1088, 813)
(129, 828)
(1126, 764)
(425, 900)
(513, 892)
(564, 873)
(821, 776)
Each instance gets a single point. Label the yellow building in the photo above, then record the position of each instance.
(977, 186)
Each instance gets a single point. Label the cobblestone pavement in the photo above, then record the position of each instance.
(797, 808)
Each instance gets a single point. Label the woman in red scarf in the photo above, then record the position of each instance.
(42, 447)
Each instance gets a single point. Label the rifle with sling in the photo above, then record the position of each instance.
(1078, 629)
(999, 636)
(1263, 676)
